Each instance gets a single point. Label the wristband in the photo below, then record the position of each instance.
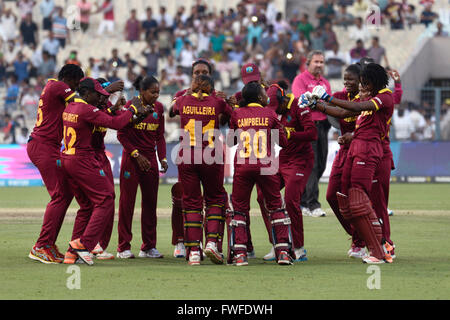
(133, 109)
(105, 84)
(164, 160)
(135, 153)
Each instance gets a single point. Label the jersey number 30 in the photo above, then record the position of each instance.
(259, 148)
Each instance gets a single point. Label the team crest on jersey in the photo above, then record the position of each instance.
(102, 173)
(288, 118)
(155, 115)
(126, 174)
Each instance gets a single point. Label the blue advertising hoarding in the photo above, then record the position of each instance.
(414, 161)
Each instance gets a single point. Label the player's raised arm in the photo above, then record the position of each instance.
(91, 91)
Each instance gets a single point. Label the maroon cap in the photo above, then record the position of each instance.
(93, 84)
(250, 72)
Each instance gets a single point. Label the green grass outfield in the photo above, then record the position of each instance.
(420, 229)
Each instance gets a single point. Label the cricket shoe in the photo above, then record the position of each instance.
(56, 252)
(81, 251)
(104, 256)
(284, 259)
(212, 253)
(300, 255)
(180, 250)
(251, 254)
(72, 258)
(357, 252)
(270, 256)
(97, 250)
(373, 260)
(126, 254)
(152, 253)
(306, 212)
(44, 255)
(318, 213)
(194, 258)
(393, 252)
(240, 260)
(101, 254)
(389, 249)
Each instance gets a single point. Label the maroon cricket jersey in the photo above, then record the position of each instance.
(99, 133)
(146, 136)
(199, 117)
(302, 130)
(386, 141)
(252, 126)
(48, 126)
(347, 124)
(372, 124)
(98, 137)
(79, 120)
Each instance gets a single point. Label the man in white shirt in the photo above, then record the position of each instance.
(51, 45)
(402, 125)
(163, 15)
(418, 123)
(359, 31)
(203, 40)
(334, 61)
(10, 51)
(46, 7)
(187, 56)
(179, 79)
(8, 27)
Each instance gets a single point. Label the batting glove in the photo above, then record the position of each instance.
(319, 92)
(307, 100)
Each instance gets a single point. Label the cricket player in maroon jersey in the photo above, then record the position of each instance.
(250, 73)
(43, 149)
(253, 125)
(380, 189)
(347, 121)
(199, 67)
(98, 143)
(79, 162)
(139, 167)
(363, 157)
(296, 162)
(200, 162)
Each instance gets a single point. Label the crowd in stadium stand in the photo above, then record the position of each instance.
(229, 38)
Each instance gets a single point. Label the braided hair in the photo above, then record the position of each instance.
(375, 75)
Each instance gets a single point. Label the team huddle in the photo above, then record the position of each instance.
(78, 111)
